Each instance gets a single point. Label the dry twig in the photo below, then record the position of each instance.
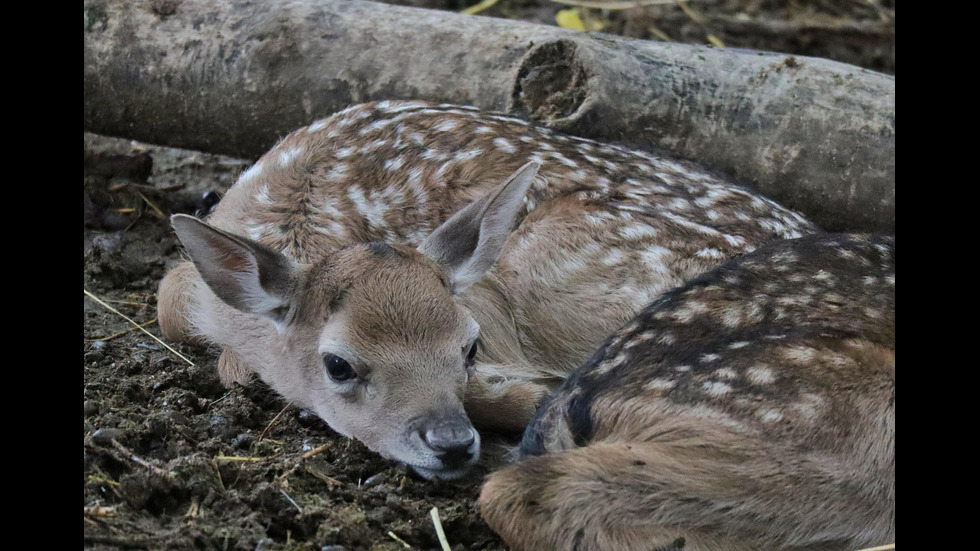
(399, 540)
(139, 460)
(117, 312)
(121, 333)
(273, 422)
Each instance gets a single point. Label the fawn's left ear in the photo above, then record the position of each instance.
(468, 244)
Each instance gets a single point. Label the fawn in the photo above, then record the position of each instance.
(397, 261)
(751, 408)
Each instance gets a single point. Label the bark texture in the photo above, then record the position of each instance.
(233, 76)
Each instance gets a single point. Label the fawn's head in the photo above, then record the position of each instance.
(372, 337)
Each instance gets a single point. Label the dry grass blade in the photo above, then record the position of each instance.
(101, 480)
(323, 478)
(121, 333)
(273, 422)
(139, 460)
(120, 314)
(298, 508)
(315, 451)
(100, 511)
(614, 5)
(477, 8)
(238, 458)
(399, 540)
(690, 12)
(434, 513)
(156, 210)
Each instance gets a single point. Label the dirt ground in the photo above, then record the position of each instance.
(173, 460)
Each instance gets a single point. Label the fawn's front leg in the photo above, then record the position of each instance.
(506, 406)
(233, 369)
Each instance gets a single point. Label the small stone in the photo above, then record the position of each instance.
(307, 418)
(243, 440)
(374, 480)
(91, 407)
(106, 436)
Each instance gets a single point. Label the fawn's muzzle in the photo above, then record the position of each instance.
(452, 440)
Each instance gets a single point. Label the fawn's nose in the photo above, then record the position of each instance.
(451, 440)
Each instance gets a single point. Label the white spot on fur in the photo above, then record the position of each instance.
(287, 156)
(406, 105)
(434, 155)
(726, 373)
(809, 407)
(337, 172)
(262, 196)
(614, 257)
(716, 388)
(393, 165)
(375, 126)
(739, 344)
(252, 172)
(689, 310)
(464, 156)
(373, 211)
(710, 252)
(760, 375)
(655, 257)
(638, 339)
(801, 354)
(418, 189)
(658, 384)
(563, 159)
(445, 125)
(734, 240)
(637, 232)
(258, 231)
(318, 125)
(504, 145)
(483, 130)
(769, 415)
(705, 358)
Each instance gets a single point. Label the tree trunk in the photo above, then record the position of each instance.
(233, 76)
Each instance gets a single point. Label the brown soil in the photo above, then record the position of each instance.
(175, 461)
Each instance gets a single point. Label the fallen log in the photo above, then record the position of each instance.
(233, 76)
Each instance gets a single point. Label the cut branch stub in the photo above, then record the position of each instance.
(551, 82)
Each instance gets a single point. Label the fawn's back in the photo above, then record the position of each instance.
(751, 408)
(440, 223)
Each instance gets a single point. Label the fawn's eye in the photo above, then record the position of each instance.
(338, 369)
(471, 355)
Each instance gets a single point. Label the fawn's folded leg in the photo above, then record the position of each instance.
(666, 496)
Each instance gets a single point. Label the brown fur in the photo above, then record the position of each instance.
(601, 231)
(753, 408)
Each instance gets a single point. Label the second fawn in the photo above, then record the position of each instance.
(752, 408)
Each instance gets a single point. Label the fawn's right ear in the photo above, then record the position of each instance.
(243, 273)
